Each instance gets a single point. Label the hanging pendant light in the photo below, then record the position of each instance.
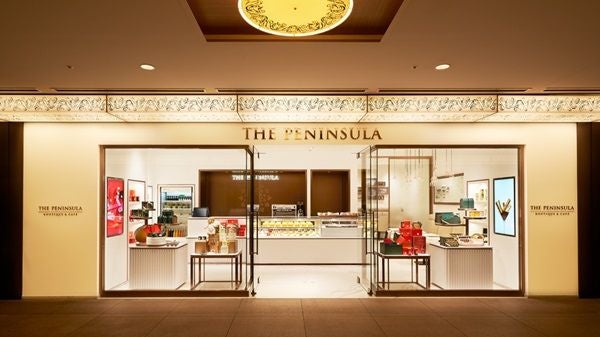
(295, 18)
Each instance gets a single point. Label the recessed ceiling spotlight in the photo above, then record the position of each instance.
(442, 66)
(147, 66)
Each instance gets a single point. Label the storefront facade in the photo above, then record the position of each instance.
(62, 167)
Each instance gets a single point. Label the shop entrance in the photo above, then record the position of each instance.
(311, 221)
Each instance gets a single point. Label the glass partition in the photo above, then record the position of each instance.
(179, 244)
(446, 219)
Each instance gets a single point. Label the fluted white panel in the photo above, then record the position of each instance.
(158, 268)
(462, 267)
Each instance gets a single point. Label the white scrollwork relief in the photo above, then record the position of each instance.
(52, 103)
(172, 103)
(578, 103)
(278, 104)
(479, 103)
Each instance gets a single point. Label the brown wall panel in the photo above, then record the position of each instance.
(588, 223)
(225, 196)
(11, 199)
(330, 191)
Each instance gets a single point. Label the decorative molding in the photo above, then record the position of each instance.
(418, 117)
(541, 117)
(54, 108)
(52, 103)
(305, 108)
(172, 103)
(178, 117)
(174, 108)
(479, 103)
(559, 103)
(321, 117)
(58, 117)
(283, 104)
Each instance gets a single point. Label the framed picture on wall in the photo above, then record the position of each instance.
(115, 206)
(504, 206)
(449, 189)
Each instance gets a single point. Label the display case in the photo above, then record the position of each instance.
(336, 227)
(288, 227)
(179, 199)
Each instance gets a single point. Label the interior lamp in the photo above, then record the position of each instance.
(295, 18)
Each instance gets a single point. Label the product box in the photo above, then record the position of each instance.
(201, 247)
(232, 246)
(390, 249)
(406, 232)
(419, 244)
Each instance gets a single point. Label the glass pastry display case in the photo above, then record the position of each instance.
(288, 227)
(341, 226)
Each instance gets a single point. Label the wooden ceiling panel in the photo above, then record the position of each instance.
(221, 21)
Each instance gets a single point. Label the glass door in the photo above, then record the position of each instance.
(365, 198)
(252, 222)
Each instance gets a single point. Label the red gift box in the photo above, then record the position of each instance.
(405, 224)
(419, 244)
(406, 232)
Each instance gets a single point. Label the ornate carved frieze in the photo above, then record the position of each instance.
(302, 108)
(417, 117)
(288, 108)
(578, 103)
(577, 108)
(174, 108)
(480, 103)
(345, 104)
(55, 108)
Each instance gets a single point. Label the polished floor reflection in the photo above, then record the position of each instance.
(248, 317)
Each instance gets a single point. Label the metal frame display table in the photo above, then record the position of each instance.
(385, 259)
(235, 261)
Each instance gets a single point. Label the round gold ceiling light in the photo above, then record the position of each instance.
(295, 17)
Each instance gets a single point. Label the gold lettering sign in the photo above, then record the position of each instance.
(308, 134)
(551, 210)
(56, 210)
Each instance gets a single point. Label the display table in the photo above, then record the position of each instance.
(463, 267)
(157, 267)
(385, 264)
(235, 261)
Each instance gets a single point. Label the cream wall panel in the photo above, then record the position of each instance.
(62, 166)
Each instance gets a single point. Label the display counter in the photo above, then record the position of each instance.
(314, 227)
(157, 267)
(298, 240)
(463, 267)
(315, 240)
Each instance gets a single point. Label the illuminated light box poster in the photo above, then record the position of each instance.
(505, 206)
(115, 189)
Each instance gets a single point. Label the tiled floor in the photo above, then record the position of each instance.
(248, 317)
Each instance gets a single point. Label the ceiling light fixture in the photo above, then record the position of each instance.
(295, 18)
(442, 66)
(147, 66)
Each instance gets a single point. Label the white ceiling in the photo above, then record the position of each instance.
(535, 44)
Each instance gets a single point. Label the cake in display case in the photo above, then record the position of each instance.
(290, 227)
